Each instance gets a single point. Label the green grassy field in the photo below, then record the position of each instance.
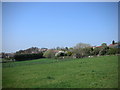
(96, 72)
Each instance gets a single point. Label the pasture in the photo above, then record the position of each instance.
(95, 72)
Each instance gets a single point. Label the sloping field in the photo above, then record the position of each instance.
(96, 72)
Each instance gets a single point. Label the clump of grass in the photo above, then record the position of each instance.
(49, 77)
(93, 70)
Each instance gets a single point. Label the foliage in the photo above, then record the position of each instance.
(81, 45)
(113, 42)
(104, 49)
(81, 50)
(3, 55)
(112, 51)
(77, 53)
(96, 51)
(49, 54)
(87, 51)
(60, 53)
(66, 48)
(31, 50)
(28, 51)
(104, 45)
(22, 57)
(69, 53)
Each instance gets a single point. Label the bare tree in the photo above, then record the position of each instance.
(82, 45)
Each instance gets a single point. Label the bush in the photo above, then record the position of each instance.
(61, 54)
(112, 51)
(96, 51)
(49, 54)
(69, 53)
(22, 57)
(103, 50)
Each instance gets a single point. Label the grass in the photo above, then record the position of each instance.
(96, 72)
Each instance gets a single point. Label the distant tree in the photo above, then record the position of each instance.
(104, 45)
(28, 51)
(118, 52)
(60, 54)
(87, 51)
(96, 51)
(69, 53)
(104, 49)
(81, 50)
(3, 55)
(22, 57)
(49, 54)
(58, 48)
(78, 53)
(112, 51)
(113, 42)
(20, 52)
(70, 48)
(66, 48)
(81, 45)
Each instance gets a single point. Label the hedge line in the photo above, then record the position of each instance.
(23, 57)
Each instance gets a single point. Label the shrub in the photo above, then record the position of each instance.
(49, 54)
(96, 51)
(69, 53)
(60, 54)
(112, 51)
(22, 57)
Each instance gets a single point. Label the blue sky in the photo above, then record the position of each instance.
(50, 24)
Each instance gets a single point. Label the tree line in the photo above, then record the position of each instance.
(80, 50)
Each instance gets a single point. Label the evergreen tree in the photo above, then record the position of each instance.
(113, 42)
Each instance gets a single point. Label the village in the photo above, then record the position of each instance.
(79, 51)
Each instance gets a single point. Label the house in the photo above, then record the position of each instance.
(42, 49)
(96, 47)
(8, 55)
(114, 45)
(99, 46)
